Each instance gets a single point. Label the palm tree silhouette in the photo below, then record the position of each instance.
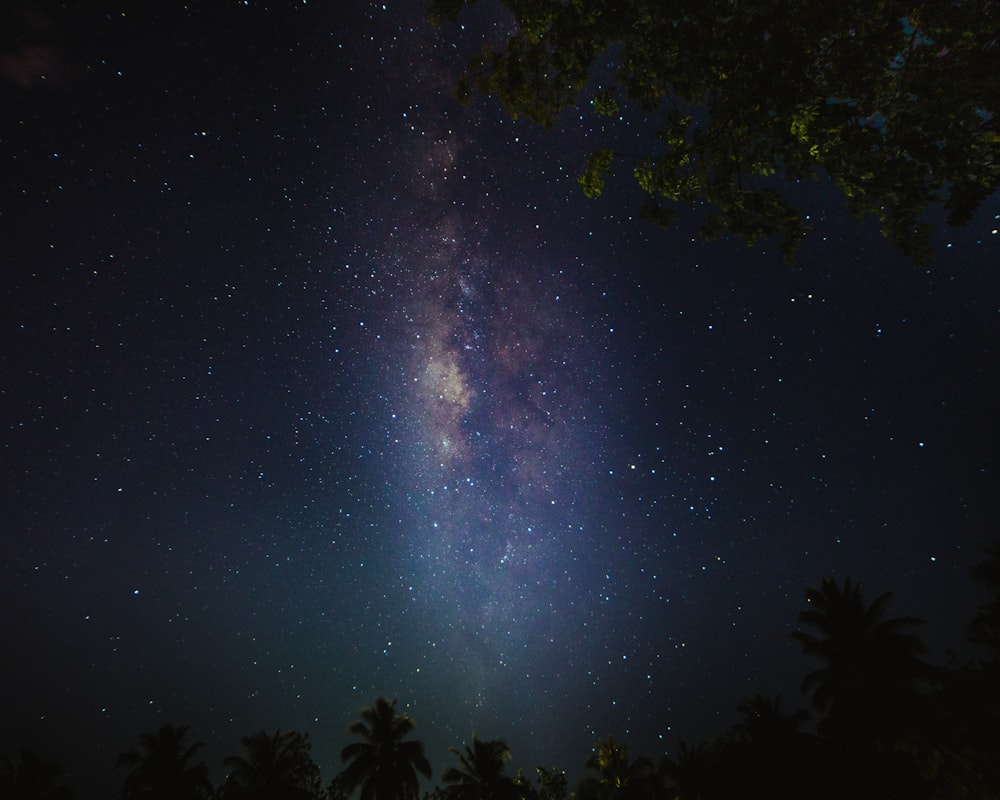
(695, 774)
(481, 775)
(164, 768)
(872, 670)
(31, 778)
(383, 765)
(616, 777)
(276, 765)
(764, 721)
(985, 626)
(767, 752)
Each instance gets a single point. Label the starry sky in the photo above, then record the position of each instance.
(317, 386)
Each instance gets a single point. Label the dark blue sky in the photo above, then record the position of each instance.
(318, 386)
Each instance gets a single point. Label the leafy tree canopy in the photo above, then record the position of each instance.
(895, 100)
(552, 783)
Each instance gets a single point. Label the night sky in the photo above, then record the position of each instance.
(317, 386)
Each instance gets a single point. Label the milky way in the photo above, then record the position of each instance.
(497, 430)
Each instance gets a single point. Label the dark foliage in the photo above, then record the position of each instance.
(165, 768)
(275, 765)
(896, 102)
(886, 725)
(384, 765)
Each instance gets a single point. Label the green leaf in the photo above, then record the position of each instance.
(592, 179)
(606, 105)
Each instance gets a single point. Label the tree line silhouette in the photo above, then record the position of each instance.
(882, 723)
